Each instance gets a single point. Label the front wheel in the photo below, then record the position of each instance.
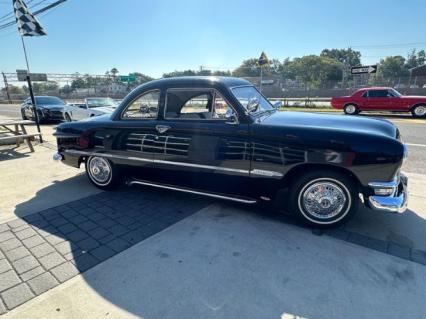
(102, 173)
(419, 111)
(324, 198)
(351, 109)
(24, 117)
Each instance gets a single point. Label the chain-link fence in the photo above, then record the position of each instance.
(277, 87)
(75, 87)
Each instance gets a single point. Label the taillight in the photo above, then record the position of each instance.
(84, 139)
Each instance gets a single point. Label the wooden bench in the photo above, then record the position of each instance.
(19, 132)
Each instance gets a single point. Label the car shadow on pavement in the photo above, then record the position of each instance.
(47, 248)
(57, 193)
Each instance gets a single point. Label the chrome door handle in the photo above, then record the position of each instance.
(162, 128)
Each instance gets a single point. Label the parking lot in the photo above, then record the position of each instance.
(69, 250)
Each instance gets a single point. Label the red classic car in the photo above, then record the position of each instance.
(380, 99)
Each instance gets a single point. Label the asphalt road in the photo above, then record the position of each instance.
(413, 132)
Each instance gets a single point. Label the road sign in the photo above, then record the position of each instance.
(364, 69)
(131, 78)
(22, 76)
(263, 59)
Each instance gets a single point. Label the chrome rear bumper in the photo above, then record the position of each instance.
(394, 203)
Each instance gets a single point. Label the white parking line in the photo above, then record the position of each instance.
(417, 145)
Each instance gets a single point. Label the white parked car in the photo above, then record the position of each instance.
(92, 107)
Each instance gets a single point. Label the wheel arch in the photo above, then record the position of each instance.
(351, 103)
(302, 169)
(417, 104)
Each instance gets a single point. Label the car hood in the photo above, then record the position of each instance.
(331, 121)
(52, 107)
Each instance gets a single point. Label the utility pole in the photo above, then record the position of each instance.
(7, 88)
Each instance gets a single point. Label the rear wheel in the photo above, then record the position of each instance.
(323, 198)
(419, 111)
(102, 172)
(351, 109)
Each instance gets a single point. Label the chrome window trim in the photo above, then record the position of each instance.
(142, 118)
(215, 91)
(258, 172)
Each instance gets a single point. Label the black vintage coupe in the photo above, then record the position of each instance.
(219, 137)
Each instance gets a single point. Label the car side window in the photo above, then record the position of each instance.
(365, 94)
(204, 104)
(378, 93)
(144, 107)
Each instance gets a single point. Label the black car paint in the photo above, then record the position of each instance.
(254, 157)
(46, 112)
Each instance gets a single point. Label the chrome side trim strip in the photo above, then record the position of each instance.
(240, 200)
(216, 168)
(266, 173)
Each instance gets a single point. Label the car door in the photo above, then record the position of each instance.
(379, 100)
(201, 143)
(28, 108)
(131, 138)
(79, 111)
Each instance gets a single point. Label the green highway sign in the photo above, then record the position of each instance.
(131, 78)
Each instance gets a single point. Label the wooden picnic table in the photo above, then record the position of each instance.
(19, 132)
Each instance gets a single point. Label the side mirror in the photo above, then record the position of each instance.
(144, 109)
(278, 104)
(231, 118)
(253, 105)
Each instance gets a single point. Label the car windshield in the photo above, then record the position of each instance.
(49, 100)
(395, 92)
(247, 94)
(98, 102)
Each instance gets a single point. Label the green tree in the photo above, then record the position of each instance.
(180, 73)
(345, 56)
(13, 89)
(114, 72)
(315, 70)
(415, 59)
(251, 68)
(392, 67)
(248, 68)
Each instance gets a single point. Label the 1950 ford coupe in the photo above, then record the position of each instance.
(218, 136)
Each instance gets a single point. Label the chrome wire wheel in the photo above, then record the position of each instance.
(420, 110)
(99, 170)
(324, 200)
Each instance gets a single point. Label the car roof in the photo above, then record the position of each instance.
(46, 96)
(376, 88)
(201, 80)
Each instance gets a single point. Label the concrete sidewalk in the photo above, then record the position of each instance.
(31, 182)
(227, 263)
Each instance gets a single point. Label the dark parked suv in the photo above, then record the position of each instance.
(220, 137)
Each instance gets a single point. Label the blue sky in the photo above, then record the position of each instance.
(157, 36)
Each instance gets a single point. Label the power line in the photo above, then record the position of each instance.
(48, 7)
(6, 16)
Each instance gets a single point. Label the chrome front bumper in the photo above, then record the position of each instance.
(394, 203)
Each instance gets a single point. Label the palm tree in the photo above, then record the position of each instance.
(114, 72)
